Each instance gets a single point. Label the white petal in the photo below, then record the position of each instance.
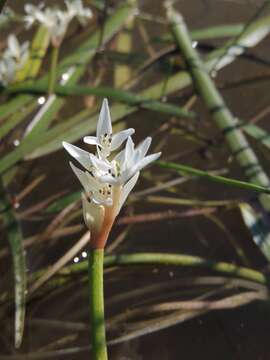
(148, 159)
(143, 147)
(104, 125)
(127, 189)
(93, 215)
(82, 176)
(14, 46)
(120, 137)
(92, 140)
(109, 179)
(129, 152)
(82, 156)
(100, 164)
(120, 157)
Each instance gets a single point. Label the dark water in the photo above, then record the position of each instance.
(240, 334)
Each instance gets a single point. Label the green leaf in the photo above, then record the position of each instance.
(216, 178)
(38, 50)
(9, 124)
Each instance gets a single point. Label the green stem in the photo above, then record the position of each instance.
(53, 69)
(15, 239)
(96, 257)
(124, 96)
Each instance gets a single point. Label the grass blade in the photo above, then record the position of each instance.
(216, 178)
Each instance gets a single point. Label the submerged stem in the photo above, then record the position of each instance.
(98, 332)
(52, 75)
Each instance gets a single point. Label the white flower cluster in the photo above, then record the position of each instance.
(108, 180)
(12, 59)
(55, 19)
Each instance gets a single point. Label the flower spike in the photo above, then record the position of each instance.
(107, 182)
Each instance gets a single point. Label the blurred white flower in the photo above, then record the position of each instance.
(107, 182)
(14, 50)
(75, 9)
(12, 59)
(56, 20)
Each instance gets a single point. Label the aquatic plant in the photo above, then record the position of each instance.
(50, 95)
(107, 183)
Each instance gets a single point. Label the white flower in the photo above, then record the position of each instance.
(7, 71)
(75, 9)
(17, 52)
(56, 20)
(105, 141)
(13, 59)
(108, 182)
(128, 162)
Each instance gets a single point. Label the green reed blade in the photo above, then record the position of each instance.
(38, 50)
(211, 32)
(19, 268)
(181, 260)
(9, 124)
(216, 178)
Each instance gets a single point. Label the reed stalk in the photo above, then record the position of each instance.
(15, 239)
(221, 114)
(182, 260)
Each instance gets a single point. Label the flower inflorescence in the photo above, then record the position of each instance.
(12, 59)
(108, 178)
(55, 19)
